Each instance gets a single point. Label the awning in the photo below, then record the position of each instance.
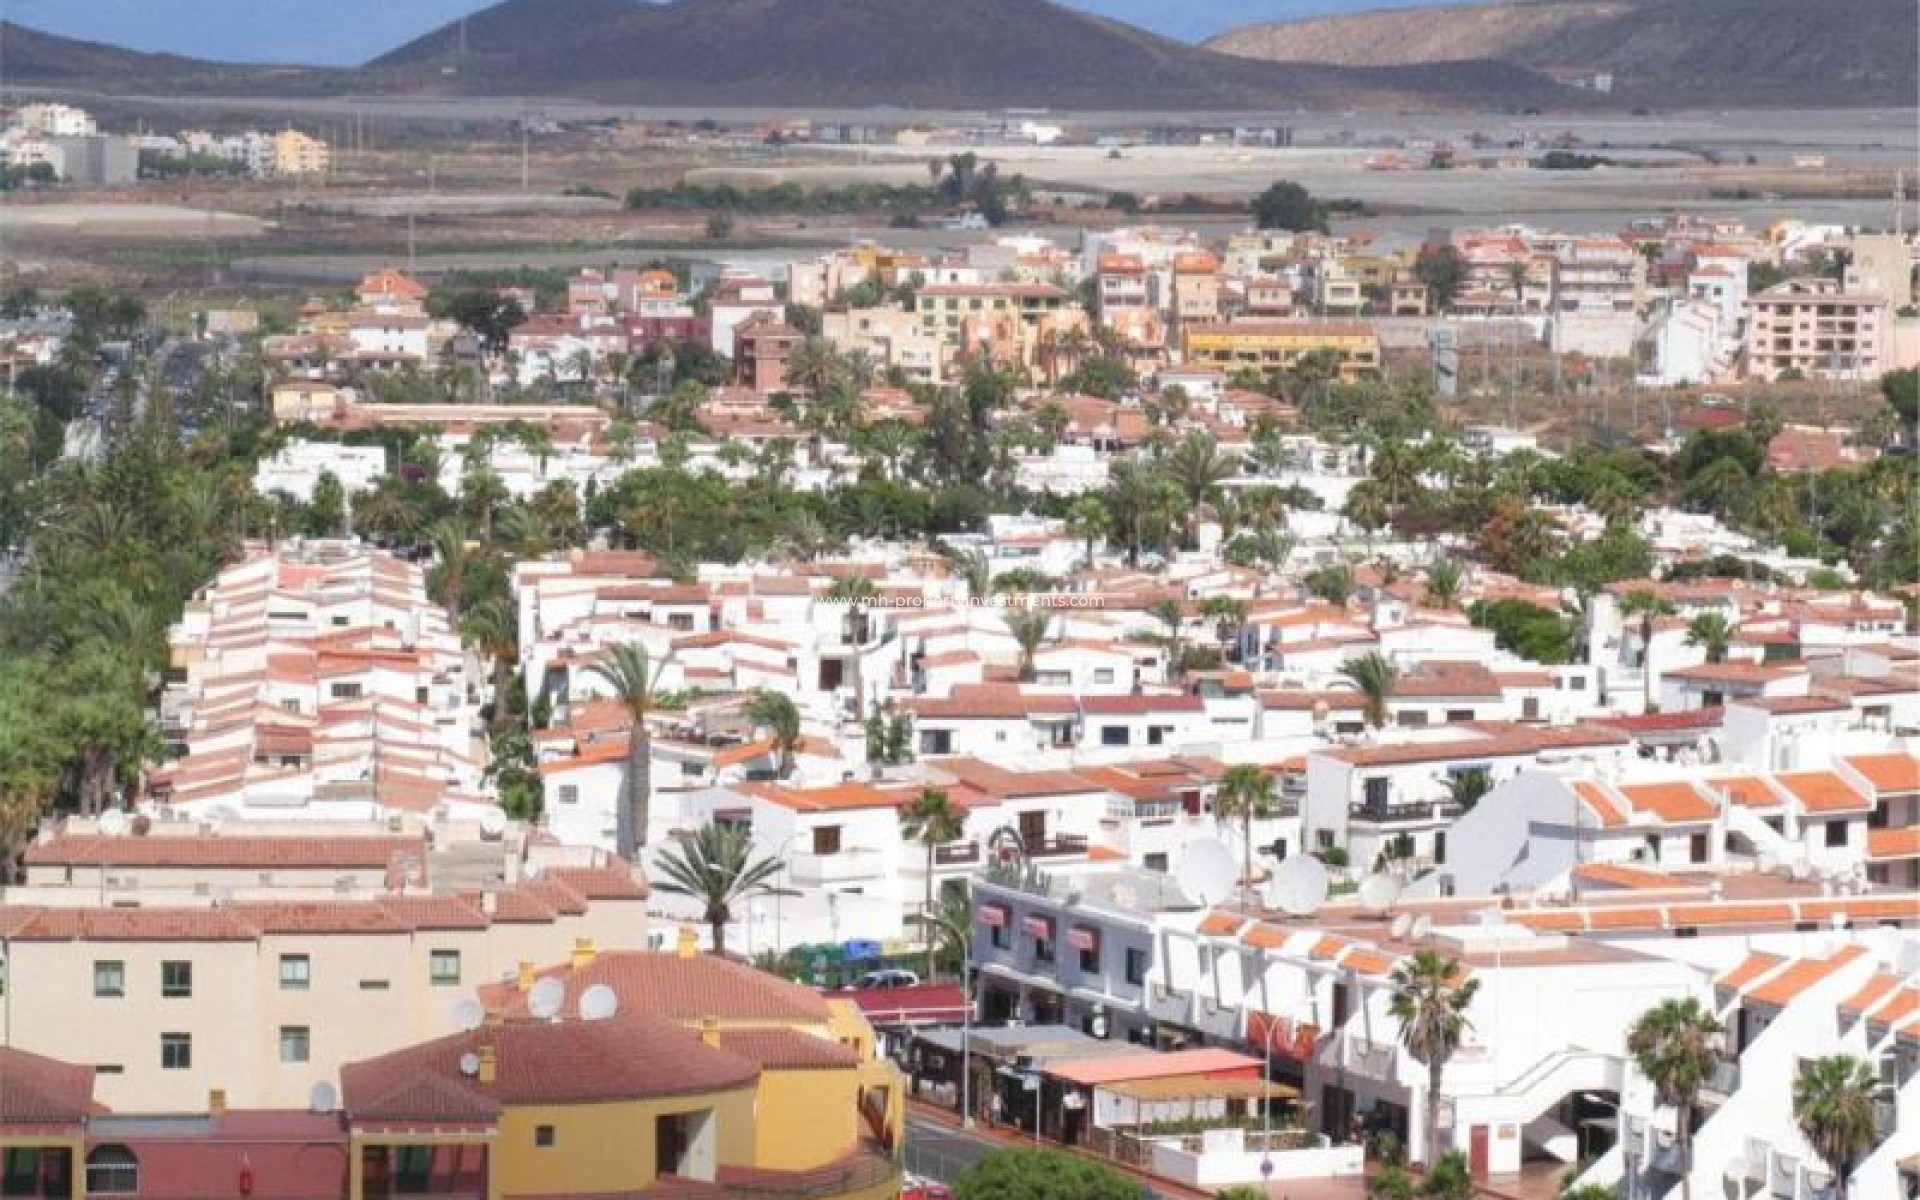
(993, 914)
(1199, 1087)
(1081, 937)
(1038, 927)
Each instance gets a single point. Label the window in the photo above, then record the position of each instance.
(110, 978)
(176, 1051)
(680, 621)
(826, 839)
(1376, 791)
(112, 1171)
(1043, 950)
(1836, 833)
(543, 1135)
(290, 704)
(443, 968)
(346, 691)
(1090, 960)
(1156, 861)
(296, 972)
(569, 793)
(1456, 715)
(1113, 735)
(1697, 848)
(176, 979)
(1136, 966)
(296, 1044)
(999, 937)
(1103, 674)
(374, 985)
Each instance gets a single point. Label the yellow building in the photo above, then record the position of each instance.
(294, 153)
(1273, 345)
(709, 1075)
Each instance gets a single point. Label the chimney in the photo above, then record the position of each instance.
(489, 903)
(217, 1102)
(523, 979)
(489, 1064)
(710, 1031)
(582, 953)
(689, 944)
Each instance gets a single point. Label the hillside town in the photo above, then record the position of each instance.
(1274, 711)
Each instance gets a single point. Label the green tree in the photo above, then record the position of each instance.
(1229, 615)
(327, 512)
(1173, 616)
(1465, 788)
(1645, 606)
(1198, 468)
(776, 713)
(1287, 205)
(1431, 995)
(1901, 390)
(1833, 1105)
(1333, 584)
(1028, 627)
(933, 820)
(855, 592)
(634, 678)
(492, 628)
(716, 866)
(1375, 678)
(1444, 581)
(1534, 633)
(1450, 1179)
(1443, 271)
(1089, 521)
(1673, 1045)
(1712, 632)
(483, 312)
(1246, 790)
(1033, 1173)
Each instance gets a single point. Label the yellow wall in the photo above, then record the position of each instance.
(806, 1118)
(608, 1147)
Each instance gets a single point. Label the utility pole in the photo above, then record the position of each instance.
(523, 153)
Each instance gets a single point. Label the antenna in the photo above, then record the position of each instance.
(1401, 924)
(1422, 927)
(1299, 886)
(598, 1003)
(113, 823)
(1208, 870)
(468, 1014)
(545, 999)
(469, 1064)
(323, 1098)
(1378, 893)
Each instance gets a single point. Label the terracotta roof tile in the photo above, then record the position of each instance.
(676, 988)
(1890, 774)
(1823, 792)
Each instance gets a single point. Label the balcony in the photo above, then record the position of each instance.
(956, 854)
(1722, 1083)
(1066, 845)
(845, 866)
(1404, 812)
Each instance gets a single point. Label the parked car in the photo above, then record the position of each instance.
(892, 977)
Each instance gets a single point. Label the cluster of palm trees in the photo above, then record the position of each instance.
(1676, 1045)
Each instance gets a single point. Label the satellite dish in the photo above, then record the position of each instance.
(493, 823)
(1422, 926)
(469, 1065)
(1401, 924)
(113, 823)
(545, 998)
(598, 1003)
(1299, 886)
(1209, 871)
(322, 1098)
(1378, 893)
(468, 1014)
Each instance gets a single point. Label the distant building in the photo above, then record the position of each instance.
(96, 161)
(1812, 328)
(1882, 265)
(294, 153)
(1274, 345)
(54, 120)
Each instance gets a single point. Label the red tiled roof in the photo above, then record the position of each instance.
(1890, 774)
(679, 989)
(1823, 792)
(35, 1090)
(241, 852)
(788, 1050)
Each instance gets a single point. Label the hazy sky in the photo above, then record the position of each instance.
(351, 31)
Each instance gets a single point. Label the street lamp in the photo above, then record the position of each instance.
(966, 1025)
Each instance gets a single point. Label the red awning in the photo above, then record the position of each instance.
(993, 914)
(1039, 927)
(1080, 937)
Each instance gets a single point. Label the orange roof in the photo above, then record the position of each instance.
(1669, 801)
(837, 798)
(1888, 773)
(1219, 924)
(1123, 1068)
(1892, 845)
(1802, 974)
(1878, 985)
(1823, 792)
(1368, 961)
(1330, 946)
(1264, 937)
(1622, 876)
(1752, 967)
(1748, 791)
(1901, 1005)
(1602, 804)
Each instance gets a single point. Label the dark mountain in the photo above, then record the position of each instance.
(1719, 53)
(910, 53)
(29, 56)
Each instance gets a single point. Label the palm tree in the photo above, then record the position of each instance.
(1645, 605)
(634, 677)
(1444, 580)
(1029, 629)
(1246, 791)
(813, 365)
(933, 820)
(776, 713)
(1431, 995)
(1229, 616)
(716, 867)
(1173, 616)
(952, 926)
(491, 629)
(1673, 1044)
(856, 592)
(1713, 632)
(1375, 677)
(1833, 1106)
